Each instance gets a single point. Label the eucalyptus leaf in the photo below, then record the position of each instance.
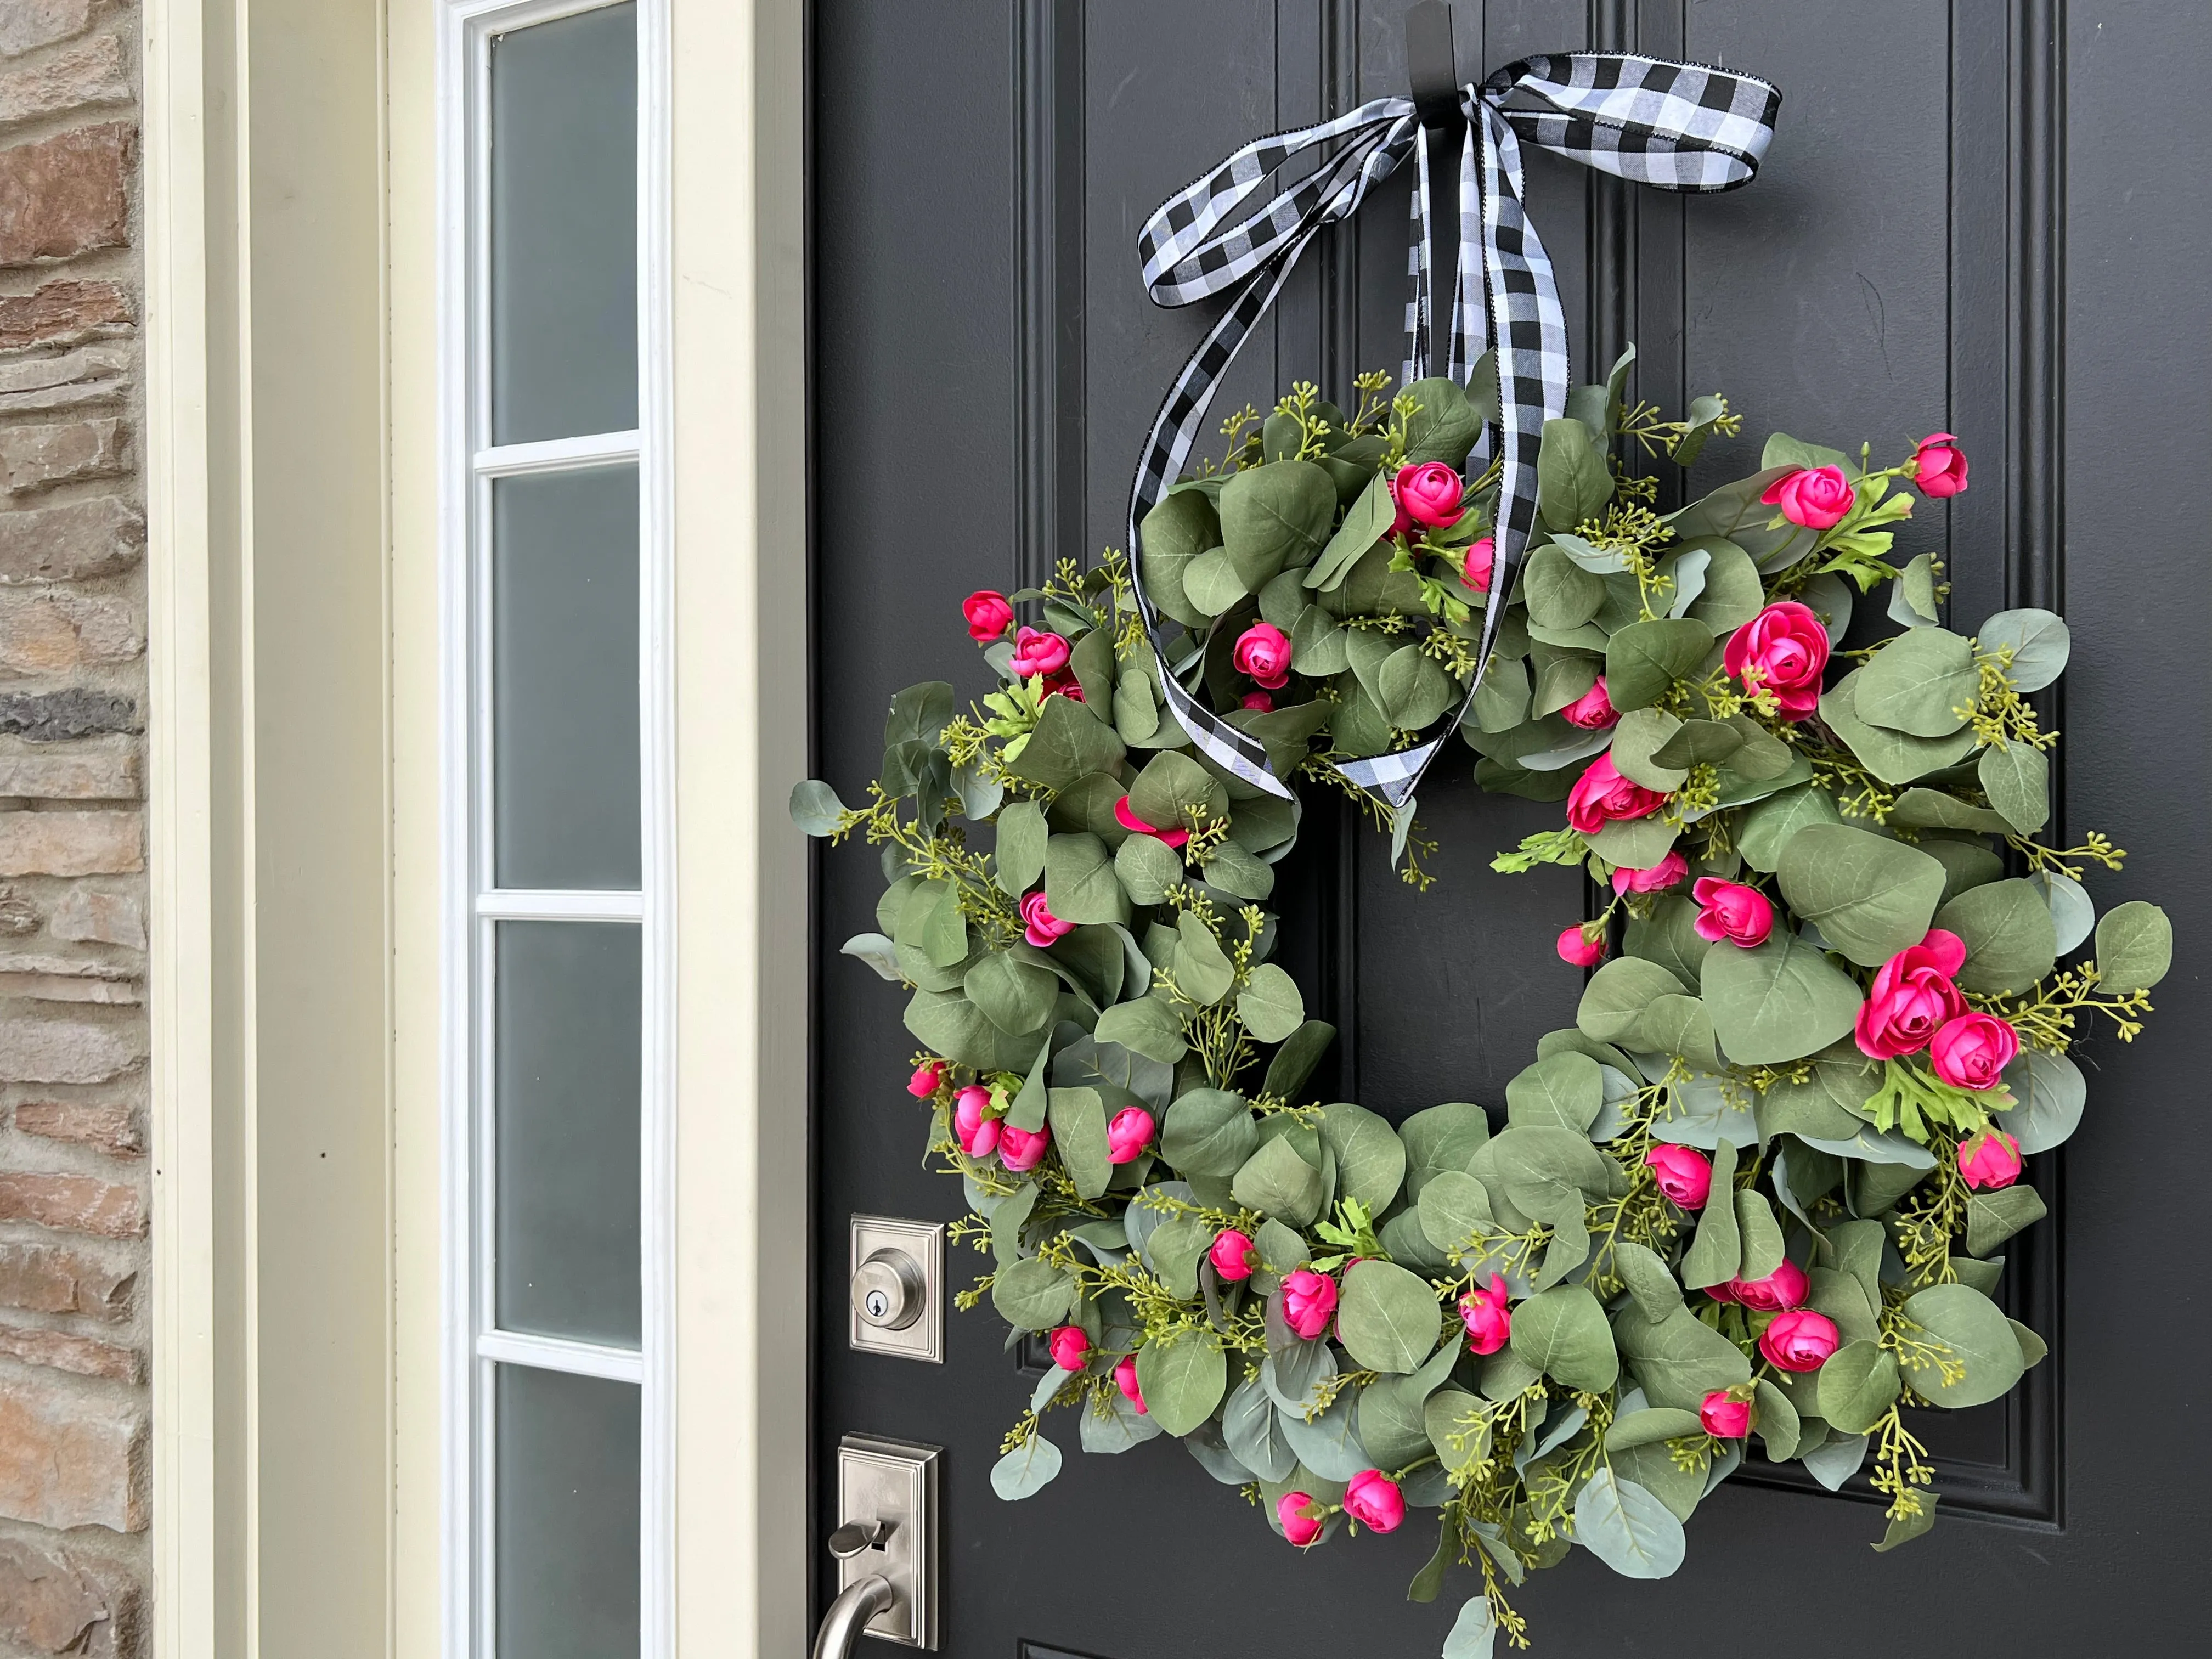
(2049, 1092)
(1627, 1528)
(1894, 758)
(1978, 1340)
(2135, 947)
(2072, 913)
(1026, 1470)
(2010, 938)
(2017, 781)
(1563, 1332)
(815, 807)
(1370, 1159)
(1645, 657)
(1253, 1428)
(2039, 641)
(1388, 1319)
(1870, 897)
(1918, 683)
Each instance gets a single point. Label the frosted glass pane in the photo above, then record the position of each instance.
(565, 801)
(564, 228)
(567, 1520)
(566, 1069)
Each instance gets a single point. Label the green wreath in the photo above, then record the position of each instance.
(1755, 1189)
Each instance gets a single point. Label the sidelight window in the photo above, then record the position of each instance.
(555, 726)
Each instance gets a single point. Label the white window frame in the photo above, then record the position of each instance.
(470, 907)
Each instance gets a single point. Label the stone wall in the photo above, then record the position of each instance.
(74, 1469)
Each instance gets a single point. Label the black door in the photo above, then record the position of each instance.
(1983, 218)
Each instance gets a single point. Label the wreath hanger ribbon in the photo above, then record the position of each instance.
(1674, 126)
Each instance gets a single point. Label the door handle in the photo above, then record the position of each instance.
(850, 1614)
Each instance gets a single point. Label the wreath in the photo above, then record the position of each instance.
(1756, 1189)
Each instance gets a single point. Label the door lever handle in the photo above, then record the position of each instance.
(850, 1614)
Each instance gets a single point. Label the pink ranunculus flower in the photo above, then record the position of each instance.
(1786, 1287)
(1125, 1379)
(1661, 876)
(1022, 1149)
(1037, 652)
(1601, 794)
(1263, 651)
(1913, 998)
(1299, 1527)
(1232, 1255)
(1128, 1134)
(1788, 646)
(1724, 1418)
(1373, 1500)
(972, 1126)
(1593, 711)
(1136, 826)
(1799, 1340)
(1816, 497)
(1988, 1160)
(1972, 1051)
(1071, 1348)
(1578, 948)
(1480, 565)
(1039, 926)
(1730, 910)
(1938, 468)
(1428, 494)
(1683, 1173)
(1309, 1301)
(1258, 702)
(1488, 1320)
(923, 1083)
(1723, 1292)
(1063, 684)
(987, 614)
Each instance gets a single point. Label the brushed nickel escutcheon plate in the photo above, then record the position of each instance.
(896, 1301)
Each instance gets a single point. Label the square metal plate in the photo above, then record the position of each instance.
(893, 1481)
(924, 1241)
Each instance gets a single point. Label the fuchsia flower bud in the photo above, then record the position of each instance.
(1309, 1301)
(1128, 1134)
(1816, 497)
(1580, 949)
(1373, 1499)
(1127, 817)
(987, 614)
(1988, 1160)
(1480, 565)
(1299, 1527)
(1263, 651)
(1233, 1255)
(1039, 926)
(1489, 1321)
(1021, 1149)
(1037, 652)
(1786, 1287)
(1730, 910)
(1125, 1379)
(1683, 1173)
(1071, 1348)
(1799, 1340)
(923, 1083)
(976, 1132)
(1972, 1051)
(1724, 1418)
(1593, 711)
(1938, 468)
(1912, 997)
(1788, 644)
(1660, 877)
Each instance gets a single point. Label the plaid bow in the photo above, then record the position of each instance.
(1674, 126)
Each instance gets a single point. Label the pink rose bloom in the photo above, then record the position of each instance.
(1125, 1379)
(1489, 1321)
(1258, 702)
(987, 614)
(1373, 1499)
(1663, 874)
(1972, 1051)
(1724, 1418)
(1309, 1301)
(1683, 1173)
(1730, 910)
(1136, 826)
(1263, 651)
(1593, 711)
(1128, 1134)
(1037, 652)
(1989, 1160)
(1071, 1348)
(1799, 1340)
(1039, 926)
(1232, 1255)
(1816, 497)
(923, 1083)
(1788, 646)
(1427, 495)
(1578, 948)
(1786, 1287)
(1912, 997)
(1481, 564)
(978, 1134)
(1938, 467)
(1020, 1149)
(1601, 794)
(1299, 1527)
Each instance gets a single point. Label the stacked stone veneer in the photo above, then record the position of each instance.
(74, 1469)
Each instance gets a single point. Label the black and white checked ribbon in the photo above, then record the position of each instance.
(1675, 127)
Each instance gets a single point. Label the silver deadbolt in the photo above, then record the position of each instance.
(888, 1291)
(897, 1289)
